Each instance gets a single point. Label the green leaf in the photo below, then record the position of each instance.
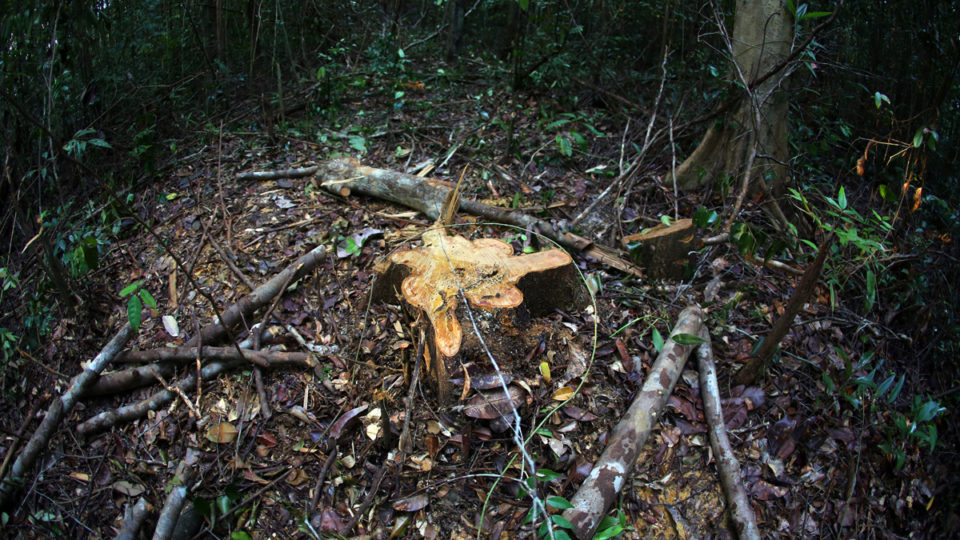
(559, 502)
(816, 14)
(688, 339)
(828, 382)
(871, 295)
(100, 142)
(147, 298)
(657, 340)
(358, 143)
(524, 4)
(879, 99)
(896, 390)
(547, 475)
(609, 532)
(563, 144)
(665, 220)
(130, 288)
(134, 312)
(885, 385)
(561, 535)
(842, 199)
(561, 521)
(240, 535)
(918, 138)
(705, 218)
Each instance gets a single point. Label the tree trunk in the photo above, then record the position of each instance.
(762, 37)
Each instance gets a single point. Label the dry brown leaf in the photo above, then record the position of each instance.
(222, 433)
(494, 404)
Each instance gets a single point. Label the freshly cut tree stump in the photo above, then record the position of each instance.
(664, 251)
(504, 292)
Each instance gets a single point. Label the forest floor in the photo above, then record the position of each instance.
(811, 459)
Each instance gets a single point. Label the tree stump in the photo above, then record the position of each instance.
(505, 294)
(664, 251)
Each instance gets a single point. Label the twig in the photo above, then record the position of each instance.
(368, 500)
(405, 434)
(27, 420)
(57, 411)
(327, 464)
(738, 504)
(246, 500)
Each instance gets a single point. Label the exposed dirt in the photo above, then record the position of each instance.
(811, 464)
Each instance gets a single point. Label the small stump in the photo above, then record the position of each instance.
(664, 251)
(505, 293)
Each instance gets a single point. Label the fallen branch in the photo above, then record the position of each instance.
(757, 365)
(178, 486)
(258, 298)
(57, 411)
(274, 175)
(133, 518)
(343, 176)
(188, 354)
(610, 472)
(741, 513)
(135, 377)
(114, 417)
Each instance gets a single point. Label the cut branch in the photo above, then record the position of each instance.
(426, 195)
(58, 410)
(612, 469)
(741, 513)
(258, 298)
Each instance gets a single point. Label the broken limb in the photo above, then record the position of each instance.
(60, 408)
(258, 298)
(126, 413)
(612, 469)
(178, 486)
(133, 518)
(114, 417)
(345, 175)
(299, 172)
(187, 354)
(757, 365)
(741, 513)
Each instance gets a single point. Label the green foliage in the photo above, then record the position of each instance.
(138, 297)
(865, 387)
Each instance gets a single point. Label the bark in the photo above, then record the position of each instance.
(133, 518)
(59, 409)
(345, 175)
(738, 504)
(258, 298)
(664, 251)
(762, 36)
(179, 486)
(112, 418)
(758, 364)
(612, 469)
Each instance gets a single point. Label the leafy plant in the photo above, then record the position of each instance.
(138, 297)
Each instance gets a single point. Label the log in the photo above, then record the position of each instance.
(612, 469)
(664, 251)
(343, 176)
(738, 505)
